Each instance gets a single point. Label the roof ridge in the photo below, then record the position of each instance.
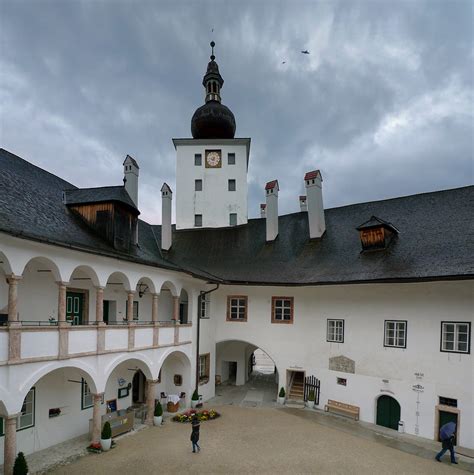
(96, 188)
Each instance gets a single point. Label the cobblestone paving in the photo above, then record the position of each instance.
(258, 440)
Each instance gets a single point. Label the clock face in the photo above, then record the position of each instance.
(213, 159)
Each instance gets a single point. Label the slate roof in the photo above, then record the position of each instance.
(100, 195)
(31, 207)
(435, 241)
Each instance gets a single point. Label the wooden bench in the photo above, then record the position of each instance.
(342, 408)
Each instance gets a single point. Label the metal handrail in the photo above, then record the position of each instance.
(144, 322)
(39, 323)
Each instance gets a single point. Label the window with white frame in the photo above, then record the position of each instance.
(27, 416)
(456, 337)
(86, 395)
(204, 368)
(335, 331)
(205, 306)
(395, 333)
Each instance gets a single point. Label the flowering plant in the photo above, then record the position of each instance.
(188, 416)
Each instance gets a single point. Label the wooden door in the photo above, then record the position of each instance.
(75, 307)
(388, 412)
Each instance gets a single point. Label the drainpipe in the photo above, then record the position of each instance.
(200, 297)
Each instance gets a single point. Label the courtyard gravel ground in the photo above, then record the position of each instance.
(252, 440)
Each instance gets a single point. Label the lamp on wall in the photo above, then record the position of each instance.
(142, 288)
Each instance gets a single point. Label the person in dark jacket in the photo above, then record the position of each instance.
(447, 434)
(195, 434)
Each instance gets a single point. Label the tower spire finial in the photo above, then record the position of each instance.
(212, 51)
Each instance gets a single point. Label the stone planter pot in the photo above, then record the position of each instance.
(310, 404)
(281, 400)
(194, 404)
(105, 444)
(157, 420)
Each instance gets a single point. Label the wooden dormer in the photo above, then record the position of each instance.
(376, 234)
(109, 211)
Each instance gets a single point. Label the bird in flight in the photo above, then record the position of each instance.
(283, 62)
(305, 51)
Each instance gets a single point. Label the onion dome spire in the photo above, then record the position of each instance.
(213, 119)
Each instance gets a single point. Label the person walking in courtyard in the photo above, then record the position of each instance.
(195, 434)
(446, 434)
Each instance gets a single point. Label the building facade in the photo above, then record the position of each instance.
(99, 310)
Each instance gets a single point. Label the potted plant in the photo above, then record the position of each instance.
(281, 396)
(106, 437)
(194, 399)
(158, 416)
(310, 401)
(20, 467)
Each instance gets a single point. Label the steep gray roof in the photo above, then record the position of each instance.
(99, 195)
(435, 239)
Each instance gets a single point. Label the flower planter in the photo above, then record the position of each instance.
(157, 420)
(105, 444)
(194, 403)
(310, 404)
(281, 400)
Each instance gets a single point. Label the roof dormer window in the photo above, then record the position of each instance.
(376, 234)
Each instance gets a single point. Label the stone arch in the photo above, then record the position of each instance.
(176, 363)
(87, 270)
(47, 262)
(5, 264)
(118, 276)
(256, 345)
(168, 285)
(141, 362)
(390, 415)
(148, 282)
(86, 371)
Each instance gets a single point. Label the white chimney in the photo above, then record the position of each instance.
(166, 198)
(262, 210)
(271, 192)
(130, 179)
(314, 200)
(303, 205)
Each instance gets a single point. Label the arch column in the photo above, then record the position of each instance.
(99, 317)
(63, 330)
(130, 296)
(176, 309)
(14, 330)
(96, 418)
(9, 453)
(150, 400)
(154, 317)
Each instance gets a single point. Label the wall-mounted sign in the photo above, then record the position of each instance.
(419, 375)
(121, 381)
(123, 392)
(418, 388)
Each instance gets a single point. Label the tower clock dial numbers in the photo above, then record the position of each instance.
(213, 159)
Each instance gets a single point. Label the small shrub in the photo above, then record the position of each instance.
(158, 409)
(106, 431)
(20, 467)
(282, 392)
(195, 396)
(311, 395)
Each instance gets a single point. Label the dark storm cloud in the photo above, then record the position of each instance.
(383, 104)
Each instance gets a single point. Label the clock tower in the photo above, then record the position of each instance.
(211, 167)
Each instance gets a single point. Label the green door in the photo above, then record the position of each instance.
(388, 412)
(106, 312)
(444, 418)
(74, 307)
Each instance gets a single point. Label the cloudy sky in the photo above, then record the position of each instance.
(383, 105)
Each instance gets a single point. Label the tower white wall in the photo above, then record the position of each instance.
(131, 172)
(166, 198)
(215, 202)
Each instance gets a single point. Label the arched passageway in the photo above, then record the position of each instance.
(245, 374)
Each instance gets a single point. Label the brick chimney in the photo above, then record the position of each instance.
(271, 193)
(263, 210)
(314, 201)
(303, 206)
(166, 198)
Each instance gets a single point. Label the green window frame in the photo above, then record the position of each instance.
(26, 419)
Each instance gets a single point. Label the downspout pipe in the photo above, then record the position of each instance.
(202, 294)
